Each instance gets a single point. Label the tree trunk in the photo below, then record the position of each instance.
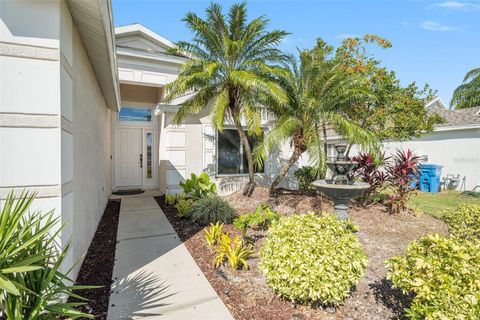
(348, 149)
(281, 174)
(325, 144)
(250, 186)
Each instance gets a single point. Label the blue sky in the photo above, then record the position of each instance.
(434, 42)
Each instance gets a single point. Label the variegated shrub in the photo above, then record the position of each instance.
(310, 258)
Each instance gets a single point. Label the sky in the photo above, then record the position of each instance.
(434, 42)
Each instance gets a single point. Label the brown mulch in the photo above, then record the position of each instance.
(97, 267)
(246, 293)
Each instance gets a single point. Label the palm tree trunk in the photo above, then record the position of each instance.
(250, 186)
(281, 174)
(325, 145)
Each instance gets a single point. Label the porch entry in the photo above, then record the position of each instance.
(135, 152)
(129, 157)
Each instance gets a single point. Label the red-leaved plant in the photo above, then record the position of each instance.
(368, 170)
(401, 172)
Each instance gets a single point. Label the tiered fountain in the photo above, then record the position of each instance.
(340, 189)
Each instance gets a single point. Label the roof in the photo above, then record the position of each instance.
(94, 22)
(472, 110)
(173, 105)
(457, 119)
(137, 41)
(435, 103)
(138, 29)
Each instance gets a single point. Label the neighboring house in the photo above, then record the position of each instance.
(455, 144)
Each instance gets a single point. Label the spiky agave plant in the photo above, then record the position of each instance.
(31, 285)
(234, 61)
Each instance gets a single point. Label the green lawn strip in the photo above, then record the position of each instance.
(435, 204)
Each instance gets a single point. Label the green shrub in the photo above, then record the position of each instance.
(30, 282)
(213, 234)
(464, 222)
(309, 258)
(183, 207)
(212, 209)
(170, 199)
(262, 218)
(235, 252)
(198, 186)
(443, 273)
(305, 176)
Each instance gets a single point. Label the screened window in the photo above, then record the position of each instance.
(135, 114)
(231, 157)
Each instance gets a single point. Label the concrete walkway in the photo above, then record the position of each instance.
(154, 276)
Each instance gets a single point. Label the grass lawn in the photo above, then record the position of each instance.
(435, 203)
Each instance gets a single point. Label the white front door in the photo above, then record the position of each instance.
(128, 157)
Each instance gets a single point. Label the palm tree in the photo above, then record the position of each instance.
(468, 93)
(318, 90)
(233, 63)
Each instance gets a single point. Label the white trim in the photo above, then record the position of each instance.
(154, 56)
(458, 127)
(140, 29)
(436, 99)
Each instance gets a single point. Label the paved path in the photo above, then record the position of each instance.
(155, 277)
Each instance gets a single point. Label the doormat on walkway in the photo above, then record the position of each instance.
(126, 192)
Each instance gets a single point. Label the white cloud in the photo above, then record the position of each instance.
(346, 35)
(435, 26)
(456, 5)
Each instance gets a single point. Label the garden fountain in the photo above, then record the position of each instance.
(340, 189)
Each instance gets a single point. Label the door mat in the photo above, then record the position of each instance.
(127, 192)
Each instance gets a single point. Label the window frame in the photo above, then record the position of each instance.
(217, 174)
(129, 106)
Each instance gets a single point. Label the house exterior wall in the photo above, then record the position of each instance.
(191, 148)
(54, 124)
(92, 143)
(30, 141)
(458, 151)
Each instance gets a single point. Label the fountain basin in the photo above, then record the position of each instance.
(341, 194)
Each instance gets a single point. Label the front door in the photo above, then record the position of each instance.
(128, 157)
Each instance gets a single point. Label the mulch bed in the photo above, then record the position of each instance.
(97, 267)
(246, 293)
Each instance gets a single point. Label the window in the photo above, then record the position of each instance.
(231, 158)
(149, 154)
(135, 114)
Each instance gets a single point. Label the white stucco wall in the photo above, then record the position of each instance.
(55, 128)
(191, 148)
(92, 173)
(457, 151)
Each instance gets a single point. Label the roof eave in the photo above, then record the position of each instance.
(97, 15)
(458, 127)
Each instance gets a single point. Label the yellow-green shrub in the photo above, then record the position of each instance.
(170, 199)
(311, 258)
(262, 218)
(183, 207)
(234, 251)
(464, 222)
(444, 275)
(213, 234)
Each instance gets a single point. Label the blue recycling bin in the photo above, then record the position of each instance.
(429, 177)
